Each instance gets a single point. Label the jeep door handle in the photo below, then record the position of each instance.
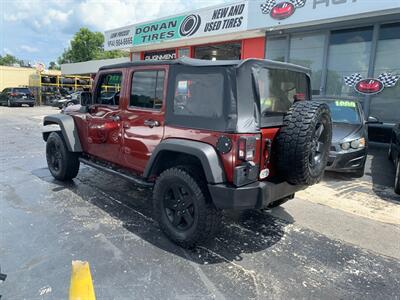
(116, 118)
(151, 123)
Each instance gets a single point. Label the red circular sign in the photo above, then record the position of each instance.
(369, 86)
(282, 10)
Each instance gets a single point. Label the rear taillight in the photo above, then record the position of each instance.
(13, 94)
(299, 97)
(246, 148)
(266, 154)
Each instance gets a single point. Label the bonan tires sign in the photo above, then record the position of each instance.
(213, 21)
(206, 22)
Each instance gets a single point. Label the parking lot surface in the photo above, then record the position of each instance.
(338, 239)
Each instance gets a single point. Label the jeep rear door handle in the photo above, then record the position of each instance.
(151, 123)
(115, 118)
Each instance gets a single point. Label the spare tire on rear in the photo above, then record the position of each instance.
(303, 143)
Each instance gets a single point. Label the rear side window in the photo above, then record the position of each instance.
(22, 90)
(278, 89)
(199, 95)
(108, 89)
(147, 89)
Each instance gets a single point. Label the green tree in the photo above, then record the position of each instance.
(87, 45)
(53, 66)
(9, 60)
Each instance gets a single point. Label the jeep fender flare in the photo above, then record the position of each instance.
(67, 127)
(205, 153)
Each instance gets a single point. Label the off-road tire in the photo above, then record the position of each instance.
(397, 178)
(63, 164)
(31, 105)
(206, 218)
(297, 142)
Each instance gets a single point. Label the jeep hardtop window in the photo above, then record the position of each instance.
(147, 89)
(278, 89)
(199, 95)
(199, 98)
(108, 88)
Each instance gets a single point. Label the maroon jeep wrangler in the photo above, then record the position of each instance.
(206, 135)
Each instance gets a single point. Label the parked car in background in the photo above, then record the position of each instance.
(394, 155)
(349, 137)
(73, 99)
(17, 96)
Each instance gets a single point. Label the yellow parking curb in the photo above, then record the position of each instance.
(81, 287)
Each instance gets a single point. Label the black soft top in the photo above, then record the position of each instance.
(240, 98)
(193, 62)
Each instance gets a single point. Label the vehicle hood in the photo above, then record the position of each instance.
(341, 131)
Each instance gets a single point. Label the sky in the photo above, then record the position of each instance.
(40, 30)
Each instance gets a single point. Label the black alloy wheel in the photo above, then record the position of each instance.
(54, 157)
(317, 146)
(179, 207)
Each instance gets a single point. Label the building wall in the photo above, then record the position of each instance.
(16, 76)
(253, 48)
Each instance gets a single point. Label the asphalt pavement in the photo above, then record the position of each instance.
(305, 249)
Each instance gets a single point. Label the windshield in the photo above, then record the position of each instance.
(279, 88)
(344, 112)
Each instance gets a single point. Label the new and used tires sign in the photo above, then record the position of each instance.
(212, 21)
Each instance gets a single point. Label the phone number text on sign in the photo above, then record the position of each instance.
(120, 39)
(120, 42)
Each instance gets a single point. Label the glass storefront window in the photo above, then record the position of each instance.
(228, 51)
(386, 105)
(184, 52)
(276, 48)
(349, 53)
(308, 51)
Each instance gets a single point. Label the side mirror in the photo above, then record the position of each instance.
(86, 98)
(373, 120)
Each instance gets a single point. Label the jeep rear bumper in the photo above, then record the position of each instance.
(252, 196)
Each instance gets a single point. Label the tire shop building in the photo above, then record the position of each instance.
(351, 46)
